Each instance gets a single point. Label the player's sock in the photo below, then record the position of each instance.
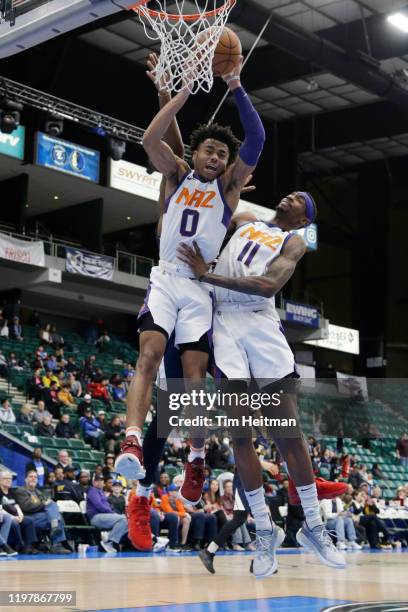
(310, 504)
(134, 431)
(196, 453)
(259, 509)
(142, 491)
(212, 548)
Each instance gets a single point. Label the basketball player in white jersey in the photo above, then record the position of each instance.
(249, 343)
(199, 206)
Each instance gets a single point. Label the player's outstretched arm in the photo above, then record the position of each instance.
(159, 152)
(266, 286)
(253, 144)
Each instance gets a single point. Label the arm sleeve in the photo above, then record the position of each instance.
(252, 146)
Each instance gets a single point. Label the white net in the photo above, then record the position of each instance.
(188, 40)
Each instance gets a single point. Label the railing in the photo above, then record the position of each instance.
(136, 265)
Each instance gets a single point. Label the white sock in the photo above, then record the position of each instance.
(142, 491)
(212, 548)
(134, 431)
(196, 453)
(310, 504)
(259, 509)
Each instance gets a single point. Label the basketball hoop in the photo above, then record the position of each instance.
(188, 41)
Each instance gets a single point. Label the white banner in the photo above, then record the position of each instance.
(134, 179)
(22, 251)
(343, 339)
(354, 387)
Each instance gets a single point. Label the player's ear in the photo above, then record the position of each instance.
(194, 156)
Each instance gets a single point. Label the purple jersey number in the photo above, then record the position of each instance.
(248, 253)
(189, 222)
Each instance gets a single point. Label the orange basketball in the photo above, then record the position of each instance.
(227, 52)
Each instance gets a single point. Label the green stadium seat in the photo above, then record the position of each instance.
(61, 442)
(11, 429)
(46, 442)
(76, 443)
(88, 465)
(83, 455)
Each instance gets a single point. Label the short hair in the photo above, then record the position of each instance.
(6, 474)
(217, 132)
(31, 472)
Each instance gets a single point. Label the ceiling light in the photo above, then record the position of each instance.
(54, 125)
(9, 115)
(56, 197)
(128, 218)
(399, 20)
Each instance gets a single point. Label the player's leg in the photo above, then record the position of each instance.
(207, 554)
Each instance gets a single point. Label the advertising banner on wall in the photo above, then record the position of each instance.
(89, 264)
(13, 144)
(343, 339)
(22, 251)
(302, 314)
(134, 179)
(67, 157)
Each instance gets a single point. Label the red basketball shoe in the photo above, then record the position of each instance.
(325, 490)
(192, 487)
(130, 461)
(139, 531)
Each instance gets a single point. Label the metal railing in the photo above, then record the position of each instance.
(129, 263)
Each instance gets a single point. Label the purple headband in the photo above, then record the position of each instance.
(310, 207)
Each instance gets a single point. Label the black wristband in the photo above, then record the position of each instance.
(202, 276)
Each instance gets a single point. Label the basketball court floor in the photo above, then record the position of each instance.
(179, 583)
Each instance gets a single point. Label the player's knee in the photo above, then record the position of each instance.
(149, 361)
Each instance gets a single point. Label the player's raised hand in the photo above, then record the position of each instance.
(232, 79)
(161, 84)
(247, 188)
(193, 258)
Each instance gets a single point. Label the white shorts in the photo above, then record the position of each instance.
(179, 304)
(251, 345)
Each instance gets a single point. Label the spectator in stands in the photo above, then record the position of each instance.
(44, 512)
(402, 450)
(74, 384)
(99, 390)
(163, 485)
(240, 538)
(109, 467)
(48, 378)
(163, 520)
(401, 497)
(340, 521)
(103, 341)
(212, 503)
(40, 412)
(2, 316)
(129, 372)
(48, 488)
(101, 420)
(83, 481)
(355, 478)
(85, 405)
(51, 364)
(119, 392)
(217, 454)
(113, 434)
(365, 508)
(64, 429)
(23, 534)
(3, 365)
(60, 358)
(89, 367)
(6, 521)
(56, 338)
(35, 385)
(6, 412)
(170, 503)
(16, 331)
(41, 353)
(68, 488)
(91, 432)
(46, 428)
(4, 331)
(377, 473)
(14, 363)
(65, 459)
(45, 335)
(71, 365)
(59, 474)
(100, 515)
(26, 414)
(65, 397)
(117, 499)
(52, 401)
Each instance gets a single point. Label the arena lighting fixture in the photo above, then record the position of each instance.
(9, 115)
(54, 125)
(399, 20)
(56, 197)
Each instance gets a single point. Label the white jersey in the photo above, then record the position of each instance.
(250, 252)
(196, 212)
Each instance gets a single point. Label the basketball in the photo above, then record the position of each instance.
(227, 52)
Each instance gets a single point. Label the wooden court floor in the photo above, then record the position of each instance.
(132, 582)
